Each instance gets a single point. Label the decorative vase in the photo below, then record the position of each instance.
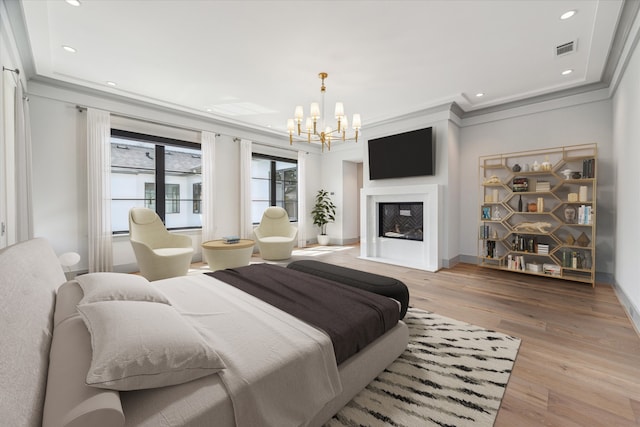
(532, 207)
(323, 239)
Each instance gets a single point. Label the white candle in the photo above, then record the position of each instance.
(583, 193)
(495, 195)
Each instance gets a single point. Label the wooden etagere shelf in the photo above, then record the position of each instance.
(537, 212)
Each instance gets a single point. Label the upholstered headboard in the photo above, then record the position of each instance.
(30, 273)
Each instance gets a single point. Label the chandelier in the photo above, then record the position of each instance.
(315, 127)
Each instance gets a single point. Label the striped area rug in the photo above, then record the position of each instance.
(451, 374)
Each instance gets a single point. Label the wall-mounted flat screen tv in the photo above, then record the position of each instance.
(406, 154)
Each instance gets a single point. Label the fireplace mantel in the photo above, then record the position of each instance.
(423, 255)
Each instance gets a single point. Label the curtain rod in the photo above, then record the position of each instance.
(235, 138)
(17, 71)
(82, 108)
(277, 147)
(16, 76)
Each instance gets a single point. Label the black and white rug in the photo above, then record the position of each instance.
(451, 374)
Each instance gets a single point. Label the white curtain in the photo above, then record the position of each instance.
(302, 199)
(99, 185)
(208, 141)
(246, 224)
(24, 198)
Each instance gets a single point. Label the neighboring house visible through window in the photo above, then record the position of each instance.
(171, 193)
(145, 169)
(274, 182)
(197, 197)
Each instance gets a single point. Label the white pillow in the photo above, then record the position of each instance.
(139, 345)
(118, 286)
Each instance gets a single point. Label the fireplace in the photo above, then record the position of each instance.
(401, 221)
(417, 212)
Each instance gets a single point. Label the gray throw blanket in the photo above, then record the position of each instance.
(351, 317)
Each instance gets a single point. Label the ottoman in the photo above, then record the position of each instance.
(375, 283)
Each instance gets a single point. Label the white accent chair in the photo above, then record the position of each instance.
(275, 235)
(160, 254)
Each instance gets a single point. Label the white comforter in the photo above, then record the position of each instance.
(280, 371)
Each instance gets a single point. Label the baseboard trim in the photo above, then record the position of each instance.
(468, 259)
(632, 311)
(451, 262)
(605, 278)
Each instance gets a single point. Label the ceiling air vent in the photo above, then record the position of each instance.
(566, 48)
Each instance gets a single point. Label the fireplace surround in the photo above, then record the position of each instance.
(422, 254)
(401, 221)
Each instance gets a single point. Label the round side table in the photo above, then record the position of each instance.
(220, 255)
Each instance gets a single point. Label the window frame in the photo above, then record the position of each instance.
(160, 143)
(273, 182)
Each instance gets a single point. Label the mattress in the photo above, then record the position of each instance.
(206, 401)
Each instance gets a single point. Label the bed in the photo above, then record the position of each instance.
(248, 362)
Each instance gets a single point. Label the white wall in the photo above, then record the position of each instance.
(59, 164)
(59, 183)
(350, 202)
(60, 190)
(537, 128)
(446, 137)
(452, 212)
(338, 176)
(626, 138)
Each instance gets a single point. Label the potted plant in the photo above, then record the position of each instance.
(324, 212)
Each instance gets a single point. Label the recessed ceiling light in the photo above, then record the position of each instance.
(73, 2)
(479, 94)
(567, 72)
(111, 83)
(69, 49)
(567, 15)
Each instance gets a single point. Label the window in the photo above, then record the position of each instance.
(274, 182)
(197, 197)
(145, 169)
(172, 197)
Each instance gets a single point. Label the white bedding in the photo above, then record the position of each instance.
(275, 374)
(33, 294)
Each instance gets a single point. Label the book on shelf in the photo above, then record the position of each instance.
(534, 267)
(589, 168)
(553, 269)
(543, 186)
(486, 233)
(520, 185)
(516, 262)
(543, 249)
(524, 243)
(584, 215)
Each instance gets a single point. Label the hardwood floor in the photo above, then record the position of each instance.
(579, 360)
